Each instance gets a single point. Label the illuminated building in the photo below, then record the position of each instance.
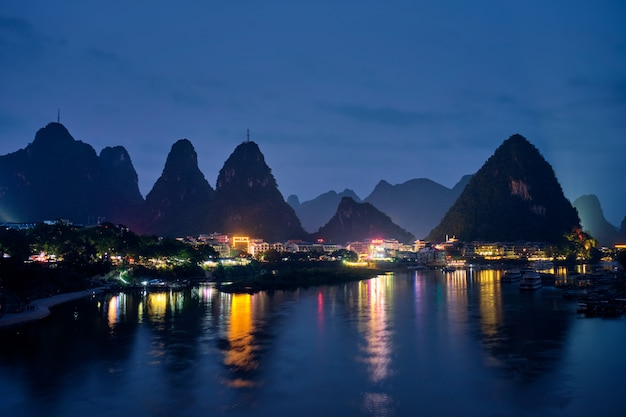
(257, 247)
(241, 243)
(278, 246)
(360, 248)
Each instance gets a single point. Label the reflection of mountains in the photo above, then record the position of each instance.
(522, 333)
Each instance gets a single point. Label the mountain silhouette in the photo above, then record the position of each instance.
(121, 176)
(57, 176)
(247, 199)
(316, 212)
(514, 196)
(361, 221)
(416, 205)
(592, 219)
(181, 201)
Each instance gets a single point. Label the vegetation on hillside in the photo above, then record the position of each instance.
(514, 196)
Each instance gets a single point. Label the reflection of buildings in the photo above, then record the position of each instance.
(157, 305)
(375, 297)
(457, 284)
(240, 354)
(490, 303)
(520, 333)
(376, 300)
(116, 309)
(151, 306)
(461, 284)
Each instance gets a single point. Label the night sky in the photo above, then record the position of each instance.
(338, 94)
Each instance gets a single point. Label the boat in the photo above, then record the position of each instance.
(601, 308)
(448, 269)
(531, 280)
(512, 275)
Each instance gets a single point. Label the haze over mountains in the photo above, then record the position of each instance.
(354, 220)
(57, 176)
(316, 212)
(592, 219)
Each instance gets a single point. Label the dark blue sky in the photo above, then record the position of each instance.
(338, 94)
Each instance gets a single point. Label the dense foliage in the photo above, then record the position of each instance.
(59, 257)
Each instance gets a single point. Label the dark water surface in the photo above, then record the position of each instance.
(409, 344)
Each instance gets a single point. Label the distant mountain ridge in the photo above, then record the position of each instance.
(361, 221)
(316, 212)
(592, 219)
(514, 196)
(416, 205)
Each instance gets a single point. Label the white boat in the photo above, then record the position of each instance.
(512, 275)
(531, 280)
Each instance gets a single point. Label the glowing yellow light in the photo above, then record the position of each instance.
(157, 305)
(240, 354)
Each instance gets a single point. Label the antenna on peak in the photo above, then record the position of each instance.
(59, 115)
(247, 135)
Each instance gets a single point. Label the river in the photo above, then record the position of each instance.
(419, 343)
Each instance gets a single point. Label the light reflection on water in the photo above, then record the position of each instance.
(419, 343)
(375, 299)
(240, 351)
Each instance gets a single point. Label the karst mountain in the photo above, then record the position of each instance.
(514, 196)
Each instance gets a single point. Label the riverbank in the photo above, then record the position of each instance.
(40, 308)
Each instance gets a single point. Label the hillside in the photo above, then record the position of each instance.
(514, 196)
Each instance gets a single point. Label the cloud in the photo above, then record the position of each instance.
(382, 115)
(18, 40)
(18, 28)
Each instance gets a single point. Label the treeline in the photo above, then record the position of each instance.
(50, 258)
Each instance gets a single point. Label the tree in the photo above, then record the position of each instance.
(346, 255)
(621, 258)
(272, 256)
(15, 245)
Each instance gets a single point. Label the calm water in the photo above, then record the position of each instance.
(409, 344)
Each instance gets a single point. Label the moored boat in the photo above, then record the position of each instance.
(512, 275)
(531, 280)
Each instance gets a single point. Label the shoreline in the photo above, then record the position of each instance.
(41, 307)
